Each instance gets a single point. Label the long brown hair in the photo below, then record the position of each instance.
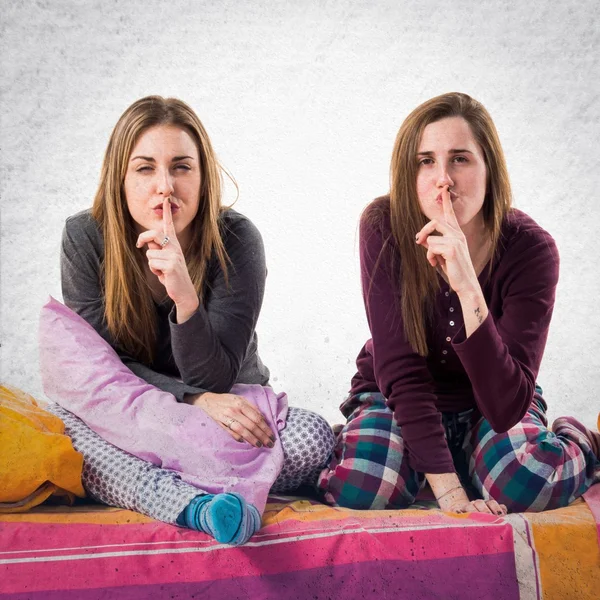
(418, 282)
(128, 306)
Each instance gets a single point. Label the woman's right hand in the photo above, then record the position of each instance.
(484, 506)
(240, 418)
(457, 501)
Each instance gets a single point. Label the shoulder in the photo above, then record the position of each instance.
(82, 231)
(376, 214)
(375, 221)
(375, 226)
(527, 249)
(237, 226)
(241, 238)
(520, 233)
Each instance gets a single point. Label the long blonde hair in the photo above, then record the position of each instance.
(418, 282)
(128, 306)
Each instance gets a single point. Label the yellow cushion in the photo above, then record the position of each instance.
(37, 459)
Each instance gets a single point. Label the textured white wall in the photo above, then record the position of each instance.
(302, 101)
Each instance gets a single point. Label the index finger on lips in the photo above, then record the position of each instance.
(168, 226)
(449, 213)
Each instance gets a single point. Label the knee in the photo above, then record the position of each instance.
(312, 432)
(368, 475)
(535, 496)
(363, 486)
(525, 474)
(321, 433)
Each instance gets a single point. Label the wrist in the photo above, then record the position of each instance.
(452, 497)
(471, 294)
(196, 399)
(185, 309)
(474, 309)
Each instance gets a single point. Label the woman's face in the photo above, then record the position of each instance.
(164, 163)
(448, 155)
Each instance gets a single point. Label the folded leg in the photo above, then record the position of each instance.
(529, 467)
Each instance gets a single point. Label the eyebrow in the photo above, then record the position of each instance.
(150, 159)
(451, 151)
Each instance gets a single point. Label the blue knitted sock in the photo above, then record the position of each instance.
(226, 517)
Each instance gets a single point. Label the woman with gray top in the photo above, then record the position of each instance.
(174, 282)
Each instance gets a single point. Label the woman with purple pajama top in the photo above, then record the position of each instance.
(174, 281)
(459, 290)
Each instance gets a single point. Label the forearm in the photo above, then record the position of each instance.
(180, 390)
(201, 357)
(210, 339)
(447, 489)
(503, 386)
(474, 308)
(502, 355)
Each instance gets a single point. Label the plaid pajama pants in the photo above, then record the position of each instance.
(528, 467)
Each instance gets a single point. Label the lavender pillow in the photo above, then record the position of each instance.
(81, 372)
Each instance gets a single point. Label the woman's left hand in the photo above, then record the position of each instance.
(449, 251)
(167, 262)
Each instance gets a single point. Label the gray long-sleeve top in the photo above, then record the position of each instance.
(211, 351)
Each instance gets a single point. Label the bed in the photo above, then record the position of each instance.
(305, 550)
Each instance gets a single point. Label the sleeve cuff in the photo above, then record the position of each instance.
(479, 342)
(434, 469)
(175, 326)
(426, 449)
(192, 329)
(187, 390)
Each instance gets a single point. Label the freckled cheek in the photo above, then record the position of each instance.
(136, 191)
(477, 187)
(423, 193)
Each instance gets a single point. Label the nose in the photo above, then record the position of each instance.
(164, 183)
(444, 178)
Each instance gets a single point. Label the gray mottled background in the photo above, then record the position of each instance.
(302, 101)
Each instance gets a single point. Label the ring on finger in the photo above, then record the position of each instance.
(165, 241)
(229, 422)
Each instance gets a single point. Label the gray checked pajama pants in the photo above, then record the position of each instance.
(115, 477)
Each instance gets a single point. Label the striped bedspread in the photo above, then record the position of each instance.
(305, 550)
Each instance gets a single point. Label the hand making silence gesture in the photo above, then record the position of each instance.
(448, 251)
(167, 261)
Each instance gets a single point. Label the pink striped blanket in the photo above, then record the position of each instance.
(304, 550)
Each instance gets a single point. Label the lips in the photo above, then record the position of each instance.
(158, 209)
(453, 197)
